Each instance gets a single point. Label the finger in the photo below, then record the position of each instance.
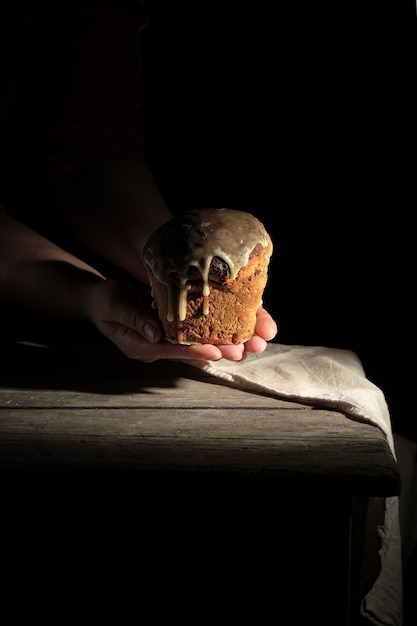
(132, 309)
(136, 347)
(232, 352)
(206, 352)
(256, 344)
(143, 324)
(266, 327)
(200, 352)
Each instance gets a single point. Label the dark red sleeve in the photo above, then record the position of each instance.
(91, 80)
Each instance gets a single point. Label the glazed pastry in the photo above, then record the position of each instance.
(208, 269)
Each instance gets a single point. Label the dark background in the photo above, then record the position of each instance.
(301, 113)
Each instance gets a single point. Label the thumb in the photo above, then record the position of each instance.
(139, 315)
(146, 325)
(130, 308)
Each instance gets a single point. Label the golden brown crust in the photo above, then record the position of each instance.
(232, 304)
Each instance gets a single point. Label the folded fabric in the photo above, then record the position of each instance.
(317, 375)
(330, 378)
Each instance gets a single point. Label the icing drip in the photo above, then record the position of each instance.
(193, 239)
(182, 300)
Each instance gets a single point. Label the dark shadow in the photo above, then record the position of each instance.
(72, 356)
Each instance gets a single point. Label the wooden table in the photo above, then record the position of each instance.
(248, 505)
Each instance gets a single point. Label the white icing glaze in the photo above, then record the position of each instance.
(193, 239)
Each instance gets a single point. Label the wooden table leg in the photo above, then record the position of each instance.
(367, 515)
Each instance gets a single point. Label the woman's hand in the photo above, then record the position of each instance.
(265, 330)
(125, 316)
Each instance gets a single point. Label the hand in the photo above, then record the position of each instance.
(124, 315)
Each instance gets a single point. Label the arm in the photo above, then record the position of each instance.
(93, 136)
(37, 274)
(112, 205)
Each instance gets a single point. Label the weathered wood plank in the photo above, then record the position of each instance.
(239, 422)
(247, 442)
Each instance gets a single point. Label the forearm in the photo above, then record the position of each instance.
(112, 205)
(39, 275)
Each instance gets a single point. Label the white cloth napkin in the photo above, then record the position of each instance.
(330, 378)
